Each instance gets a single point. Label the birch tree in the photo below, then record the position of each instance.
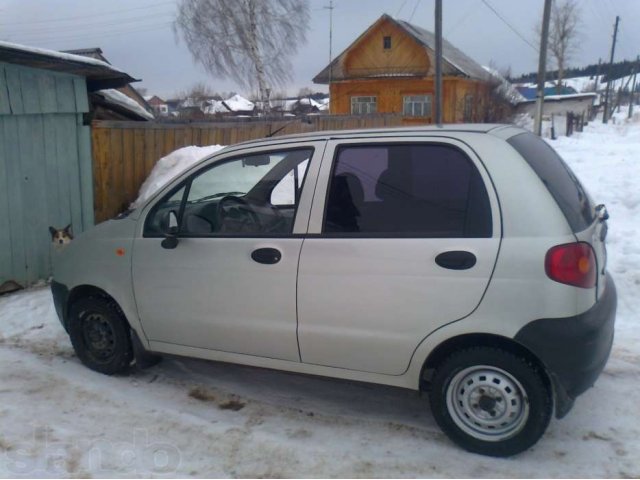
(249, 41)
(563, 34)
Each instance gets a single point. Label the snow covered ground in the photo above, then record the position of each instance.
(194, 418)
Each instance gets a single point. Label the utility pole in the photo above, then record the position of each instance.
(438, 19)
(330, 8)
(542, 67)
(633, 88)
(595, 88)
(605, 115)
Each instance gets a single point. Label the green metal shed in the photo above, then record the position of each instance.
(45, 153)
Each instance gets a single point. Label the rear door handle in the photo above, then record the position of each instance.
(456, 260)
(268, 256)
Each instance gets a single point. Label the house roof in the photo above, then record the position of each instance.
(455, 62)
(99, 74)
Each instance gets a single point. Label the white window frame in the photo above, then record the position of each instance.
(417, 105)
(364, 105)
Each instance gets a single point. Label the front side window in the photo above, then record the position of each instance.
(364, 105)
(251, 195)
(417, 105)
(422, 190)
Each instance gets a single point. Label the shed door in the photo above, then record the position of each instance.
(408, 239)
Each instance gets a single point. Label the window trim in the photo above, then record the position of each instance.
(408, 235)
(353, 97)
(430, 103)
(186, 182)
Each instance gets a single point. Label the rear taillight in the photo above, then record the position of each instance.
(572, 264)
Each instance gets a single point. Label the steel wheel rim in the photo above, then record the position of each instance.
(98, 336)
(487, 403)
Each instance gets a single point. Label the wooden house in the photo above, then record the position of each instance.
(390, 68)
(45, 152)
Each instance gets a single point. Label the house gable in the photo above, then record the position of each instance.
(366, 57)
(385, 50)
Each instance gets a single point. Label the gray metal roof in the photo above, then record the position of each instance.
(99, 74)
(455, 62)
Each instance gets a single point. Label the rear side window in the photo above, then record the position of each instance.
(422, 190)
(563, 185)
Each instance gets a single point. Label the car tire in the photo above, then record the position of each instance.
(490, 401)
(100, 335)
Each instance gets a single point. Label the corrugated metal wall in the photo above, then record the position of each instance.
(45, 167)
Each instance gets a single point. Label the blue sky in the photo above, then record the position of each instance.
(137, 36)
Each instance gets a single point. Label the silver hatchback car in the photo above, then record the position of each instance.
(465, 261)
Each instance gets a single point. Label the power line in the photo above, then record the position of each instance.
(513, 29)
(400, 9)
(91, 25)
(95, 14)
(460, 20)
(99, 35)
(414, 10)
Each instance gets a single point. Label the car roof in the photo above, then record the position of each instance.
(480, 128)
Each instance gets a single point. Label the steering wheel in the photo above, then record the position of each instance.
(247, 220)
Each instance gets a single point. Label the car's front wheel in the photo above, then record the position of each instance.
(100, 335)
(490, 401)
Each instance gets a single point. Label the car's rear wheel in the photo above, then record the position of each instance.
(100, 335)
(490, 401)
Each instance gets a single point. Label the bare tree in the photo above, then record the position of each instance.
(563, 34)
(249, 41)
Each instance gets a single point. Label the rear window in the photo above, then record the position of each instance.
(563, 185)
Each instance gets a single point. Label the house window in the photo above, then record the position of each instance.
(363, 105)
(386, 43)
(417, 106)
(467, 113)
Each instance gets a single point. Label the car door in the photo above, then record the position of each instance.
(230, 283)
(403, 242)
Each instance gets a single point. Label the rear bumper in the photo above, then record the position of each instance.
(575, 349)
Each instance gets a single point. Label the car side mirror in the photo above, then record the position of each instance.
(171, 235)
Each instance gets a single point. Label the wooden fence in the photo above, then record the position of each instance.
(125, 152)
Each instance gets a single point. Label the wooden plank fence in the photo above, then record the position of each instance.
(125, 152)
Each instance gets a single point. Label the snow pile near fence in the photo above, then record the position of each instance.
(169, 167)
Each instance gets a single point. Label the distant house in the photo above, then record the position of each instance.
(159, 106)
(45, 152)
(123, 103)
(390, 68)
(236, 105)
(297, 106)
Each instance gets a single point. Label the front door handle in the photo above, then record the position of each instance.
(268, 256)
(456, 260)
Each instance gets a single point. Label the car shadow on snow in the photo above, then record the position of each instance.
(306, 394)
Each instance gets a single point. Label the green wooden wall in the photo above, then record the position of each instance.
(45, 167)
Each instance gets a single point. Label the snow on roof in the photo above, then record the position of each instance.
(238, 103)
(560, 98)
(118, 98)
(215, 106)
(505, 88)
(60, 55)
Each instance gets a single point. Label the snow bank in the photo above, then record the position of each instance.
(169, 167)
